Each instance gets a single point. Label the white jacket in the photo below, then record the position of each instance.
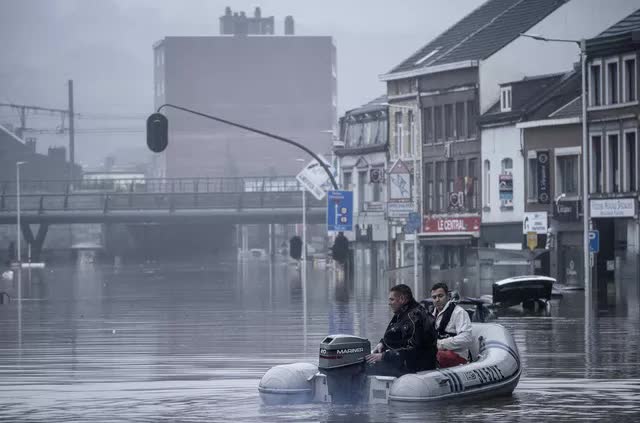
(460, 324)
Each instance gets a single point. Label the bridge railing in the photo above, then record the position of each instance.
(141, 201)
(154, 185)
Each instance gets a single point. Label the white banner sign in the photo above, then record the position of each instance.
(314, 178)
(615, 207)
(400, 186)
(399, 209)
(535, 222)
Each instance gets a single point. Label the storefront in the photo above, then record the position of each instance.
(448, 243)
(615, 219)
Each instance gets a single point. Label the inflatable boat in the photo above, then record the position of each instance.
(340, 374)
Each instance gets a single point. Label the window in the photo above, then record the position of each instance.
(473, 174)
(568, 176)
(461, 170)
(377, 189)
(631, 161)
(487, 184)
(382, 133)
(428, 171)
(459, 120)
(471, 119)
(440, 186)
(532, 180)
(630, 80)
(448, 121)
(408, 148)
(613, 171)
(427, 115)
(397, 138)
(596, 164)
(437, 122)
(451, 171)
(595, 85)
(346, 181)
(612, 82)
(507, 165)
(505, 99)
(362, 183)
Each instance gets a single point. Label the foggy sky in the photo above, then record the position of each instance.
(105, 46)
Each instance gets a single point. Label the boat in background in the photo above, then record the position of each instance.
(532, 292)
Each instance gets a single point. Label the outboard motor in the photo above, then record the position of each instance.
(342, 362)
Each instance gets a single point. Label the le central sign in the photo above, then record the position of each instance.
(461, 224)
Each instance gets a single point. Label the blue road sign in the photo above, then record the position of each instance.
(594, 241)
(340, 211)
(413, 223)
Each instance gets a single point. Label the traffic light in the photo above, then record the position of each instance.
(157, 132)
(340, 249)
(295, 248)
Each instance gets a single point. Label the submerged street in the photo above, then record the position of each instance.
(190, 342)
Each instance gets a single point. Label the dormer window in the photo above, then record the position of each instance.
(505, 99)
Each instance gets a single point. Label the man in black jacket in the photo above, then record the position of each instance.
(409, 344)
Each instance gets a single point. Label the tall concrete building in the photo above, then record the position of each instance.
(283, 84)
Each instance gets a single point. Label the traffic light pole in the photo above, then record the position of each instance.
(257, 131)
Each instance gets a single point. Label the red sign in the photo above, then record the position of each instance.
(451, 224)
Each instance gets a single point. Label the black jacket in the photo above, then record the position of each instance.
(410, 341)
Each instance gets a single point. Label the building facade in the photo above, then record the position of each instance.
(363, 165)
(454, 79)
(282, 84)
(613, 111)
(551, 135)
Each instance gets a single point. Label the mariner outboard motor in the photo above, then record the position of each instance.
(342, 362)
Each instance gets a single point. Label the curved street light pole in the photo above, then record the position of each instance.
(258, 131)
(586, 212)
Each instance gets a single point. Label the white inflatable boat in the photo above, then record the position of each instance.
(495, 371)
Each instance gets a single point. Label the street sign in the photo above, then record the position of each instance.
(340, 211)
(532, 240)
(400, 209)
(535, 222)
(413, 223)
(594, 241)
(313, 177)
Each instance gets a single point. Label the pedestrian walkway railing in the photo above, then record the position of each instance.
(93, 183)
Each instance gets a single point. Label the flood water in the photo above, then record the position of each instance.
(190, 342)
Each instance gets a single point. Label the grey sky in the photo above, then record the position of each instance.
(106, 48)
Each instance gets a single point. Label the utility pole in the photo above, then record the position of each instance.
(72, 147)
(22, 112)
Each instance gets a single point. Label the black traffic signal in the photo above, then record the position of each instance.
(340, 249)
(295, 248)
(157, 132)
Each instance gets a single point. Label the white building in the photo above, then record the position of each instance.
(506, 93)
(363, 164)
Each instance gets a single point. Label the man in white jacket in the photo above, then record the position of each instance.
(453, 327)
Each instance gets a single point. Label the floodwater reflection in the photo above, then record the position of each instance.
(190, 341)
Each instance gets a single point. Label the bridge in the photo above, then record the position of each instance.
(228, 200)
(217, 201)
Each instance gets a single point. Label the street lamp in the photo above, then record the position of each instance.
(585, 162)
(416, 203)
(18, 232)
(304, 227)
